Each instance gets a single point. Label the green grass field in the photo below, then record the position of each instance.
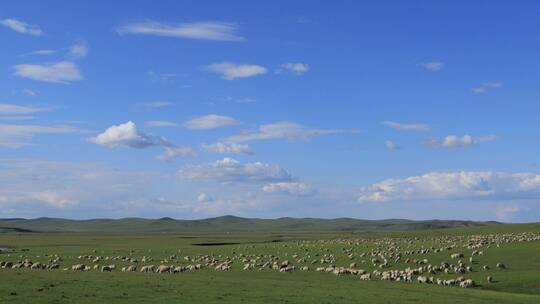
(519, 283)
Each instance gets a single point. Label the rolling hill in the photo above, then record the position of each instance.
(224, 224)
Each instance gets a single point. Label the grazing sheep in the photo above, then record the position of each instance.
(78, 267)
(108, 268)
(501, 266)
(148, 268)
(163, 269)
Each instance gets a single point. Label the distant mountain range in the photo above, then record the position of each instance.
(224, 224)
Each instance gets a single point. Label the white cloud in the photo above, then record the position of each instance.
(217, 31)
(54, 198)
(204, 198)
(297, 68)
(433, 66)
(228, 148)
(54, 72)
(506, 213)
(211, 121)
(29, 92)
(158, 104)
(16, 136)
(78, 50)
(45, 188)
(231, 71)
(22, 27)
(231, 170)
(17, 117)
(391, 145)
(453, 141)
(289, 188)
(43, 52)
(6, 108)
(127, 135)
(461, 185)
(407, 126)
(170, 153)
(160, 123)
(288, 130)
(487, 86)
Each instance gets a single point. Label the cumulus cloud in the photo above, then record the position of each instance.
(160, 123)
(16, 136)
(217, 31)
(288, 130)
(461, 185)
(228, 148)
(22, 27)
(127, 135)
(211, 121)
(289, 188)
(433, 65)
(390, 145)
(297, 68)
(230, 71)
(407, 126)
(231, 170)
(170, 153)
(453, 141)
(54, 72)
(9, 109)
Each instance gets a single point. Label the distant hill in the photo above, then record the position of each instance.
(224, 224)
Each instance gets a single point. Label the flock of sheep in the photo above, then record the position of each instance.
(382, 256)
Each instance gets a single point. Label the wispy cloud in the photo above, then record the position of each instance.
(407, 126)
(390, 145)
(453, 141)
(486, 86)
(230, 71)
(231, 170)
(9, 109)
(284, 130)
(158, 104)
(42, 52)
(217, 31)
(289, 188)
(22, 27)
(433, 65)
(53, 72)
(16, 136)
(211, 121)
(228, 148)
(79, 50)
(170, 153)
(160, 123)
(295, 67)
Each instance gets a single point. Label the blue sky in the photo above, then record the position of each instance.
(192, 109)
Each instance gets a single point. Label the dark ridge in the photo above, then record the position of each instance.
(214, 244)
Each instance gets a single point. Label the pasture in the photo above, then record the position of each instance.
(275, 267)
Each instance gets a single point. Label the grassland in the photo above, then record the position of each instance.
(519, 283)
